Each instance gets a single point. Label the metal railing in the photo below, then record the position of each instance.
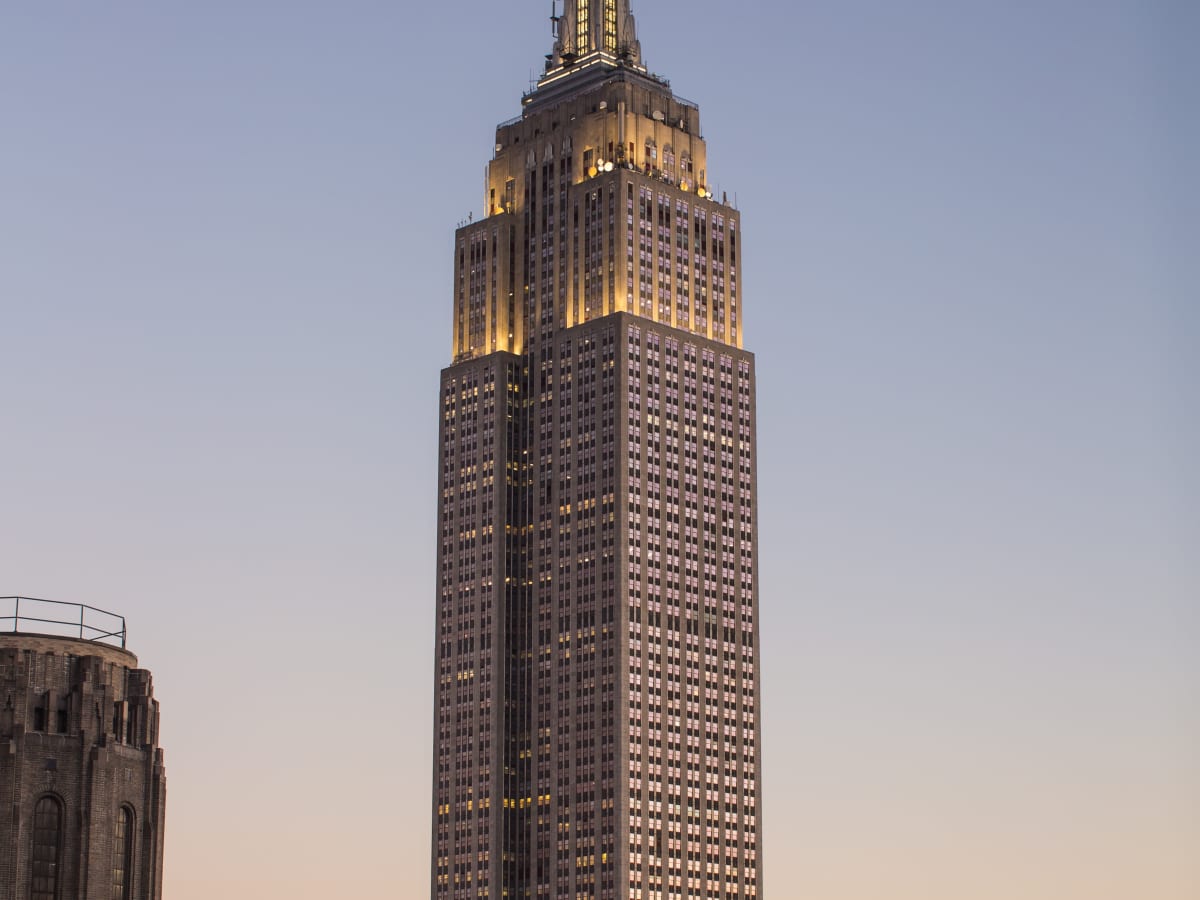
(66, 619)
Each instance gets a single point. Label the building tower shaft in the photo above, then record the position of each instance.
(596, 723)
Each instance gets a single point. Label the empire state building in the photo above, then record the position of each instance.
(596, 717)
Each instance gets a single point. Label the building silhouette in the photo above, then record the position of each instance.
(596, 721)
(82, 783)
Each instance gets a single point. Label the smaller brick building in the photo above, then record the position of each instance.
(82, 783)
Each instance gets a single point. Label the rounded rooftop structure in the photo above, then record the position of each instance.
(29, 622)
(80, 765)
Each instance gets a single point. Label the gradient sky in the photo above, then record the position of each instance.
(971, 236)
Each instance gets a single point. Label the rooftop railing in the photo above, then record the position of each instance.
(29, 615)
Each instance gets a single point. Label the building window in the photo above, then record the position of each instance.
(47, 844)
(583, 26)
(122, 880)
(610, 26)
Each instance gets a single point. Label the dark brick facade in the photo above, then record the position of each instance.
(78, 735)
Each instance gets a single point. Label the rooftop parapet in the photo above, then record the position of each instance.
(54, 618)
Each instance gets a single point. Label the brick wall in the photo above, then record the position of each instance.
(79, 725)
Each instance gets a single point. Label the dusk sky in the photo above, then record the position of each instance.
(972, 282)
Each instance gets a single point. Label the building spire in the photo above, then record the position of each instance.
(594, 28)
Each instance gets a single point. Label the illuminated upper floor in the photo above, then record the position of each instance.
(590, 29)
(598, 199)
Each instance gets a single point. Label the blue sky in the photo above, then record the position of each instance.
(971, 283)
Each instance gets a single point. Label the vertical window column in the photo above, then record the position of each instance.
(47, 846)
(122, 875)
(583, 24)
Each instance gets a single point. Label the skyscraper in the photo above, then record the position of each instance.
(596, 722)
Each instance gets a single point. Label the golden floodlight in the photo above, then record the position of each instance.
(592, 171)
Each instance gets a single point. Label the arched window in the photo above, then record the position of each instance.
(47, 846)
(122, 872)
